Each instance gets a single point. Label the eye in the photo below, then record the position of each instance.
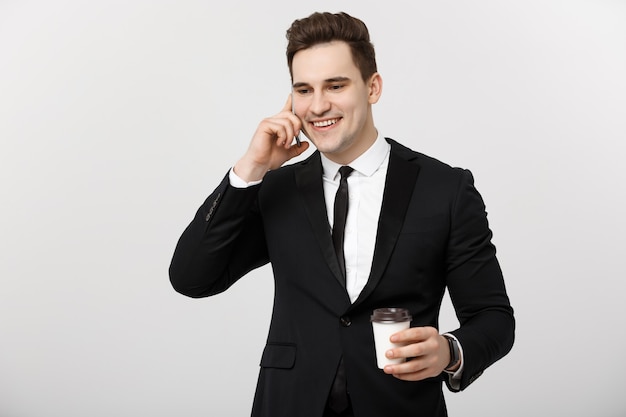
(303, 91)
(336, 87)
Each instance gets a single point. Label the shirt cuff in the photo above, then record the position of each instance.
(237, 182)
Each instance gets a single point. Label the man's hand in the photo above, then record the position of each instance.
(428, 350)
(272, 145)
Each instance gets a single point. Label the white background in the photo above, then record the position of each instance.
(117, 119)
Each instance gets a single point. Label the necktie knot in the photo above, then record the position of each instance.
(345, 171)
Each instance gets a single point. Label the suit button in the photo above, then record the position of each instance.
(345, 321)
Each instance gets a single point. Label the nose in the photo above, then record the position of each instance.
(319, 104)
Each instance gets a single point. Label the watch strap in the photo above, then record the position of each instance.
(454, 351)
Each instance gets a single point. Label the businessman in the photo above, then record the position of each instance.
(363, 223)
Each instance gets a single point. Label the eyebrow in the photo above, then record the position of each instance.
(326, 81)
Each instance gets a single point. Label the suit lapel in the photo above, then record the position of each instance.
(401, 176)
(399, 185)
(309, 182)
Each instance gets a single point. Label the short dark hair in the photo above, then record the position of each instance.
(326, 27)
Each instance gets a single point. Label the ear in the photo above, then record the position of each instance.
(375, 85)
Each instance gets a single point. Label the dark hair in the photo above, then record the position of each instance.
(326, 27)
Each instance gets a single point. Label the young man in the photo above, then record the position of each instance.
(413, 227)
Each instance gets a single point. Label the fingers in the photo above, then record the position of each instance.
(282, 127)
(413, 334)
(422, 362)
(416, 348)
(422, 349)
(413, 370)
(272, 143)
(279, 129)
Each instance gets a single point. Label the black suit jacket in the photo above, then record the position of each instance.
(432, 234)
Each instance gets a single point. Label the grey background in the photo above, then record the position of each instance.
(117, 118)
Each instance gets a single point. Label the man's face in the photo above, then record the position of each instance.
(333, 101)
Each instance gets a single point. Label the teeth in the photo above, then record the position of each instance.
(325, 123)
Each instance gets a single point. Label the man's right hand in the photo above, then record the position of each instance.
(272, 145)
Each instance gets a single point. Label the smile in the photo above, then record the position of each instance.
(325, 123)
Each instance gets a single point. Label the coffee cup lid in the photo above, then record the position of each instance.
(390, 315)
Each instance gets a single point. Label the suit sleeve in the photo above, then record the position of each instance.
(223, 242)
(476, 286)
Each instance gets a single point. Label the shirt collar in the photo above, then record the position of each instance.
(366, 164)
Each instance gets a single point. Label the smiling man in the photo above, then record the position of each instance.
(375, 225)
(334, 100)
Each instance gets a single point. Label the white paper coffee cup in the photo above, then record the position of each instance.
(385, 322)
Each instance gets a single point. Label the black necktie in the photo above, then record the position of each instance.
(340, 214)
(338, 399)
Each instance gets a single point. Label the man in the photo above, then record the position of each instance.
(413, 227)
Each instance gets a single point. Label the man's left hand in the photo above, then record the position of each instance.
(428, 351)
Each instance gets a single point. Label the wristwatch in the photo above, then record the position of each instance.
(455, 355)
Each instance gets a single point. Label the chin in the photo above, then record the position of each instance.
(328, 148)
